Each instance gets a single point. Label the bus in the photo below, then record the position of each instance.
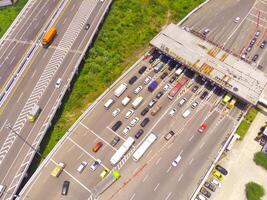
(177, 87)
(226, 99)
(231, 104)
(122, 151)
(144, 147)
(34, 113)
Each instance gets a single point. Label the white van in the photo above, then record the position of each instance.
(186, 113)
(109, 103)
(126, 100)
(120, 90)
(58, 83)
(2, 189)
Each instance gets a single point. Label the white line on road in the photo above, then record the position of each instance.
(33, 74)
(158, 161)
(148, 154)
(180, 178)
(64, 20)
(190, 162)
(132, 197)
(169, 146)
(69, 149)
(145, 178)
(168, 196)
(80, 156)
(19, 97)
(191, 138)
(168, 169)
(12, 60)
(156, 187)
(181, 152)
(201, 145)
(3, 125)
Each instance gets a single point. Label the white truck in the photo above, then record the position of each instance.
(120, 90)
(137, 102)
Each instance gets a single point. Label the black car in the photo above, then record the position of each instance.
(152, 103)
(172, 65)
(164, 75)
(262, 45)
(142, 70)
(221, 169)
(65, 187)
(210, 186)
(132, 80)
(145, 111)
(204, 95)
(116, 126)
(144, 122)
(255, 57)
(159, 95)
(115, 141)
(205, 192)
(253, 41)
(139, 133)
(87, 26)
(173, 79)
(195, 88)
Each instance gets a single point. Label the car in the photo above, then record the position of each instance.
(173, 78)
(152, 103)
(248, 49)
(195, 88)
(2, 190)
(182, 102)
(129, 113)
(221, 169)
(253, 41)
(57, 170)
(104, 173)
(262, 45)
(164, 75)
(169, 135)
(237, 19)
(200, 197)
(156, 110)
(58, 83)
(176, 161)
(134, 121)
(210, 186)
(116, 112)
(145, 111)
(115, 141)
(255, 57)
(206, 31)
(202, 127)
(144, 122)
(65, 188)
(194, 105)
(216, 182)
(101, 1)
(186, 113)
(138, 89)
(142, 70)
(217, 175)
(257, 33)
(126, 130)
(205, 192)
(95, 164)
(166, 87)
(204, 95)
(139, 133)
(159, 94)
(243, 56)
(82, 166)
(172, 112)
(132, 80)
(97, 147)
(87, 26)
(147, 80)
(116, 126)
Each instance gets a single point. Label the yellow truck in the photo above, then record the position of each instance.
(49, 36)
(58, 169)
(231, 104)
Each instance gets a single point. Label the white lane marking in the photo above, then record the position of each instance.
(191, 138)
(72, 7)
(80, 156)
(3, 125)
(169, 146)
(181, 152)
(33, 74)
(115, 133)
(98, 136)
(180, 178)
(145, 178)
(158, 161)
(73, 177)
(45, 53)
(45, 12)
(168, 196)
(132, 197)
(69, 149)
(148, 154)
(156, 187)
(190, 162)
(12, 60)
(19, 97)
(168, 169)
(64, 20)
(201, 145)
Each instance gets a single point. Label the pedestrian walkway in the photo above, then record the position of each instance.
(241, 167)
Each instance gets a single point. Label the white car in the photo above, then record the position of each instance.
(172, 112)
(216, 182)
(182, 102)
(138, 89)
(206, 31)
(147, 80)
(82, 166)
(134, 121)
(58, 83)
(166, 87)
(95, 164)
(116, 112)
(176, 161)
(129, 113)
(186, 113)
(194, 105)
(237, 19)
(126, 130)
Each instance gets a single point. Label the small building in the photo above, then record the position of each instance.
(4, 3)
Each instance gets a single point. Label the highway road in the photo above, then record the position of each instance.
(37, 86)
(95, 126)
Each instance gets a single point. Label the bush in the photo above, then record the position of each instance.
(254, 191)
(260, 159)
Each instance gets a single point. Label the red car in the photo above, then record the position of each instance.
(202, 127)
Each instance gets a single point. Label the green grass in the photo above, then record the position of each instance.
(124, 37)
(260, 159)
(254, 191)
(8, 14)
(245, 124)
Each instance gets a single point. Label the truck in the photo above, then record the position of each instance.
(226, 99)
(105, 183)
(158, 67)
(120, 90)
(58, 169)
(177, 87)
(231, 104)
(152, 86)
(34, 113)
(49, 36)
(126, 100)
(136, 103)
